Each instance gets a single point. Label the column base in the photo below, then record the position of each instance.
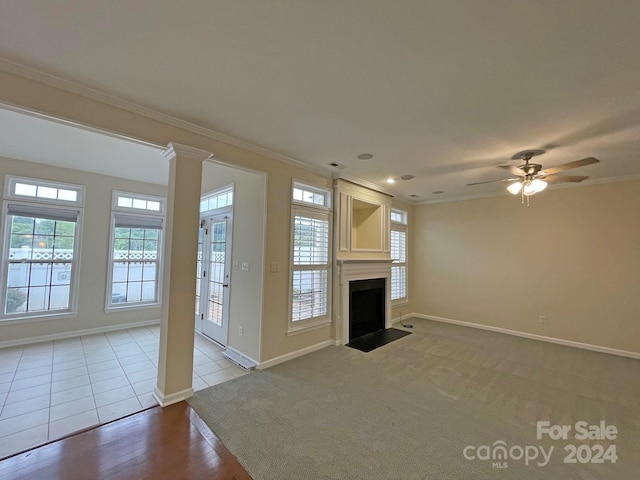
(166, 400)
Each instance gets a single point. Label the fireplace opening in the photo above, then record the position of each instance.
(366, 307)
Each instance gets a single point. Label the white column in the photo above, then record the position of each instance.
(175, 363)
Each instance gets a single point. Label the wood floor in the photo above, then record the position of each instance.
(171, 442)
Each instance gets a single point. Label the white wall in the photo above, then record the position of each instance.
(94, 256)
(245, 303)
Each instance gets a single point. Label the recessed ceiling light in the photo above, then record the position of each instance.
(407, 177)
(438, 192)
(391, 180)
(365, 156)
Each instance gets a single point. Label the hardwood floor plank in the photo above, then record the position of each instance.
(158, 443)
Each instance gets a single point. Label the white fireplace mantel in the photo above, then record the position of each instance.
(362, 269)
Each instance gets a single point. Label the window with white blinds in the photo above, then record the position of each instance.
(136, 246)
(310, 263)
(399, 256)
(41, 248)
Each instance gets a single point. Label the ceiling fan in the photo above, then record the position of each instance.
(530, 178)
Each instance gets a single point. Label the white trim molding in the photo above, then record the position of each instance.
(185, 151)
(298, 353)
(531, 336)
(76, 333)
(166, 400)
(113, 101)
(352, 270)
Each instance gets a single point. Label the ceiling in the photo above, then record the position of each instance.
(441, 90)
(70, 146)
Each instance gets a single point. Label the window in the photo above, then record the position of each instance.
(399, 256)
(311, 195)
(136, 247)
(310, 258)
(218, 199)
(41, 248)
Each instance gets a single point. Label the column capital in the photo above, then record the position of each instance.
(185, 151)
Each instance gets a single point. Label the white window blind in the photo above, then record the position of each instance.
(310, 265)
(310, 256)
(399, 256)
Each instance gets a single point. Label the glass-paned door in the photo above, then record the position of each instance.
(214, 276)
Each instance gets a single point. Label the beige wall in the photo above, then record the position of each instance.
(94, 256)
(245, 302)
(573, 255)
(39, 97)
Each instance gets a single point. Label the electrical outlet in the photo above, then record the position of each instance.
(240, 331)
(236, 265)
(543, 319)
(275, 267)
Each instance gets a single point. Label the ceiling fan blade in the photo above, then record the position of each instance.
(570, 165)
(564, 179)
(513, 169)
(494, 181)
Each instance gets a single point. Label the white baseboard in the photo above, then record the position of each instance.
(296, 354)
(76, 333)
(166, 400)
(532, 336)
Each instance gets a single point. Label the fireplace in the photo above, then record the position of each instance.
(368, 283)
(366, 307)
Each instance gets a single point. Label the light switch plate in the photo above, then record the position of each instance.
(245, 266)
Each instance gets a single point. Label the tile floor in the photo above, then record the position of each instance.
(51, 389)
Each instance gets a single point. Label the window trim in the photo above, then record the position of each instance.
(311, 188)
(320, 212)
(231, 187)
(132, 212)
(403, 214)
(138, 196)
(11, 181)
(41, 205)
(401, 226)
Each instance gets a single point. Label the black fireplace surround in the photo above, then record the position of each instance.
(366, 307)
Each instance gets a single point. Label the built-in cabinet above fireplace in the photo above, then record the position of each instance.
(362, 222)
(361, 253)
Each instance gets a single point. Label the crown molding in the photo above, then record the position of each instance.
(363, 183)
(586, 183)
(80, 126)
(463, 198)
(185, 151)
(117, 102)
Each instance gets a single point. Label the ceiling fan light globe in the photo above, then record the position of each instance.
(538, 185)
(514, 188)
(528, 188)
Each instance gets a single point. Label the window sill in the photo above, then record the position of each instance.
(399, 302)
(125, 307)
(37, 318)
(308, 328)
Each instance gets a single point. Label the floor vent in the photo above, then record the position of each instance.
(239, 359)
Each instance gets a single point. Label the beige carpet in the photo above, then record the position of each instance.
(409, 409)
